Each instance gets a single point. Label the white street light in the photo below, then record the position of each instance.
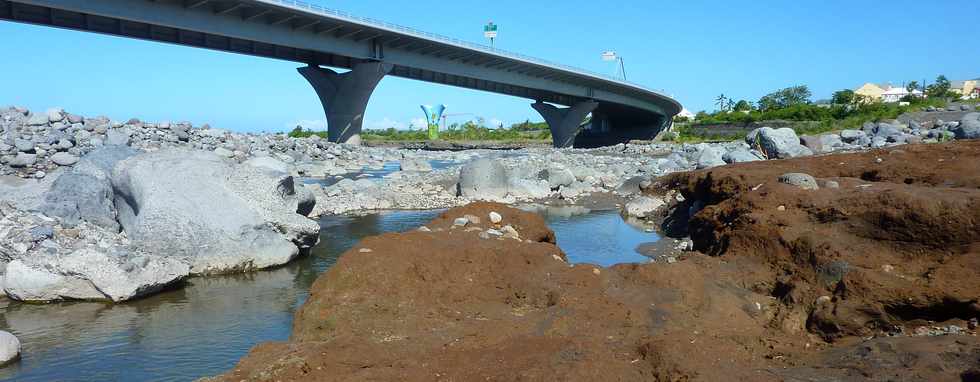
(612, 56)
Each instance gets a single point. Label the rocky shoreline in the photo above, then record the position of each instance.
(94, 209)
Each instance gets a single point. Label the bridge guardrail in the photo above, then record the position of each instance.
(318, 9)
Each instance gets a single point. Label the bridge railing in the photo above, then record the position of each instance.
(318, 9)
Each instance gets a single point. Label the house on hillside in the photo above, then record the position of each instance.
(870, 91)
(964, 88)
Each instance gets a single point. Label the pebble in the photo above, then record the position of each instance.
(495, 218)
(424, 229)
(510, 232)
(781, 208)
(461, 222)
(596, 271)
(365, 250)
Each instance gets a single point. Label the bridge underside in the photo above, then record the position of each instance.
(613, 124)
(257, 28)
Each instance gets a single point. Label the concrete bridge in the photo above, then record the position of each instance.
(319, 37)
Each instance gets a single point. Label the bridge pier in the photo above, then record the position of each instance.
(345, 96)
(564, 122)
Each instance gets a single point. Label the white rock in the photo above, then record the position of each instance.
(9, 348)
(495, 218)
(643, 206)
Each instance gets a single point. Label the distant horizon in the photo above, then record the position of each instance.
(743, 51)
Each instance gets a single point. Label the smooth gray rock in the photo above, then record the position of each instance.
(740, 154)
(216, 215)
(878, 142)
(415, 164)
(801, 180)
(64, 159)
(886, 130)
(117, 137)
(710, 156)
(9, 348)
(23, 160)
(270, 164)
(557, 176)
(852, 136)
(777, 143)
(24, 145)
(223, 152)
(813, 143)
(483, 179)
(969, 127)
(55, 115)
(643, 206)
(831, 142)
(529, 188)
(91, 273)
(37, 120)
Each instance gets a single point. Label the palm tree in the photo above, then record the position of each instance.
(912, 86)
(720, 101)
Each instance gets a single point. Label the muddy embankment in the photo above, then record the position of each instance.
(875, 279)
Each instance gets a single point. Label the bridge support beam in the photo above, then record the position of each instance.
(345, 96)
(564, 122)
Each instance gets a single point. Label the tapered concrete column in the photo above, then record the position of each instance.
(564, 122)
(345, 96)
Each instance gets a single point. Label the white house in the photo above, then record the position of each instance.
(686, 113)
(895, 94)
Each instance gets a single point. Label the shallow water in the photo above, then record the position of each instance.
(373, 174)
(205, 327)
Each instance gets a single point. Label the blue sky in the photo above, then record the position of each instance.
(693, 50)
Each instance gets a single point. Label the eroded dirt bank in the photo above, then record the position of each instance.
(877, 279)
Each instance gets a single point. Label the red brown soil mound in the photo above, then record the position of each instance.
(450, 305)
(898, 243)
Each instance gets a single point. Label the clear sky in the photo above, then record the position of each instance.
(693, 50)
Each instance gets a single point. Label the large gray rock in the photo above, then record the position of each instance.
(831, 142)
(483, 179)
(24, 145)
(23, 160)
(969, 127)
(710, 156)
(9, 348)
(777, 143)
(557, 176)
(85, 193)
(853, 136)
(270, 164)
(643, 206)
(91, 273)
(415, 164)
(804, 181)
(216, 215)
(117, 137)
(741, 154)
(64, 159)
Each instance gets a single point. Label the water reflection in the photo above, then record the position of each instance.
(205, 327)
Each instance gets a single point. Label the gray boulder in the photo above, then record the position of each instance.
(415, 164)
(852, 136)
(813, 143)
(969, 127)
(85, 193)
(23, 160)
(91, 273)
(64, 159)
(483, 179)
(710, 156)
(557, 176)
(24, 145)
(741, 154)
(643, 206)
(117, 137)
(777, 143)
(804, 181)
(223, 152)
(886, 130)
(831, 142)
(9, 348)
(269, 164)
(215, 215)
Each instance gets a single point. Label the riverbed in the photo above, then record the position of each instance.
(205, 326)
